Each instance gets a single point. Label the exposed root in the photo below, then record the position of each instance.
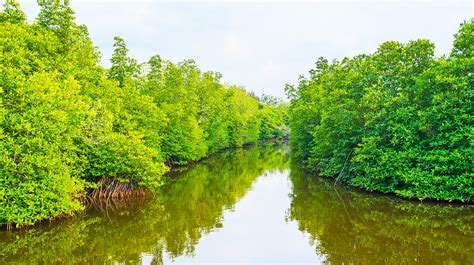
(114, 189)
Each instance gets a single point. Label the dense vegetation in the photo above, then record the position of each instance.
(398, 120)
(67, 124)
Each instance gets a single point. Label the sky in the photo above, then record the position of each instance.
(263, 45)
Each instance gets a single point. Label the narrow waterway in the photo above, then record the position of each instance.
(251, 206)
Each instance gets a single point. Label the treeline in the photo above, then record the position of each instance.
(68, 124)
(397, 121)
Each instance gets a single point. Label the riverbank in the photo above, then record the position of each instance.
(110, 191)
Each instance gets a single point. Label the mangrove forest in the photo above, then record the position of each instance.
(369, 160)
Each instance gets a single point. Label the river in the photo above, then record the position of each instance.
(252, 206)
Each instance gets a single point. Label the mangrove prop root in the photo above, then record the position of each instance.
(114, 189)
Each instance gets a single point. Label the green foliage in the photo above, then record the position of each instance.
(395, 121)
(67, 123)
(123, 67)
(203, 115)
(462, 46)
(43, 113)
(40, 120)
(174, 89)
(12, 13)
(274, 118)
(56, 15)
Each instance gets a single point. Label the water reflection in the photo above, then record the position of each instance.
(192, 220)
(350, 226)
(172, 222)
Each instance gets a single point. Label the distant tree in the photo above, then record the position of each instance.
(270, 100)
(56, 15)
(463, 45)
(123, 67)
(12, 13)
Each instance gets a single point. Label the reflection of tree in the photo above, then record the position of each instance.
(353, 227)
(173, 221)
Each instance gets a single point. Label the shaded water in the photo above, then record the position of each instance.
(252, 205)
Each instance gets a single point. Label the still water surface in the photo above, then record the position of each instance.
(250, 206)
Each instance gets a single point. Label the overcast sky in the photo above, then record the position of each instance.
(263, 45)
